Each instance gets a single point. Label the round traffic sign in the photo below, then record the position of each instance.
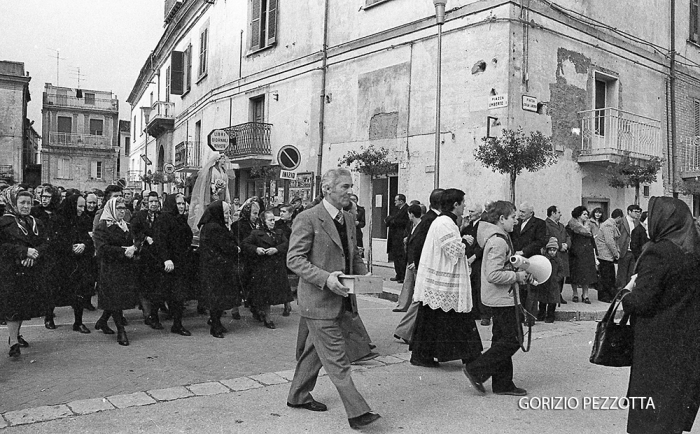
(169, 168)
(289, 157)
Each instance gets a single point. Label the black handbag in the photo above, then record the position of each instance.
(613, 342)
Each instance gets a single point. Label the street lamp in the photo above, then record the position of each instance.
(440, 20)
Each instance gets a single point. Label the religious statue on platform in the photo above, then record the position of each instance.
(213, 183)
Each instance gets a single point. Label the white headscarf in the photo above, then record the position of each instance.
(109, 213)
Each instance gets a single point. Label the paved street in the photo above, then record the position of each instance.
(239, 384)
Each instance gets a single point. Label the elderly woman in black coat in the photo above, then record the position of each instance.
(23, 247)
(665, 309)
(248, 221)
(218, 254)
(76, 259)
(117, 289)
(269, 284)
(173, 243)
(582, 254)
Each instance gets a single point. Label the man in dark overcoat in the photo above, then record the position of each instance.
(396, 223)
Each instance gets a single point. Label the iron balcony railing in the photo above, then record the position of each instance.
(690, 154)
(188, 155)
(613, 131)
(249, 139)
(84, 102)
(72, 139)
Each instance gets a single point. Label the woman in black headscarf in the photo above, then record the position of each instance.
(173, 243)
(77, 259)
(269, 284)
(665, 308)
(46, 213)
(23, 246)
(218, 253)
(248, 221)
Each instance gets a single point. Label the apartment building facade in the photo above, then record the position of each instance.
(15, 129)
(80, 146)
(324, 78)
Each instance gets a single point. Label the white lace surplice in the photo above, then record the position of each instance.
(442, 281)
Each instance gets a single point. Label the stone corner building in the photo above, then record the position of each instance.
(15, 137)
(80, 145)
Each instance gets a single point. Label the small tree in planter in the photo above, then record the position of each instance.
(267, 173)
(514, 152)
(374, 163)
(633, 173)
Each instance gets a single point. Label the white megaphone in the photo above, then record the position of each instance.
(537, 265)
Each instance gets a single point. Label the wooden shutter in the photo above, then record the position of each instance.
(255, 25)
(176, 71)
(696, 116)
(188, 69)
(271, 22)
(203, 52)
(93, 169)
(694, 19)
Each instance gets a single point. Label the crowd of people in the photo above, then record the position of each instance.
(59, 248)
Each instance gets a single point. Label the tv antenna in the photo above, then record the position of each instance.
(58, 59)
(76, 74)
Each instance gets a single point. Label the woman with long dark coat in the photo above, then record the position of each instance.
(582, 255)
(174, 244)
(77, 259)
(248, 221)
(46, 213)
(117, 289)
(218, 254)
(665, 309)
(269, 284)
(23, 247)
(143, 227)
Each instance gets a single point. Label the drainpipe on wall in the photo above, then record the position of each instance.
(322, 109)
(672, 165)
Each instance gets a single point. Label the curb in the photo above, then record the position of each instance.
(138, 399)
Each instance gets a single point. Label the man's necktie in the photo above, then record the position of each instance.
(339, 218)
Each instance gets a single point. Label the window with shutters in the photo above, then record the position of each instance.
(188, 68)
(63, 168)
(176, 69)
(203, 45)
(263, 23)
(696, 116)
(127, 145)
(167, 84)
(65, 124)
(694, 21)
(96, 127)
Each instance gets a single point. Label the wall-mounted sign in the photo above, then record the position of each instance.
(168, 168)
(498, 101)
(289, 158)
(529, 103)
(146, 160)
(287, 174)
(218, 140)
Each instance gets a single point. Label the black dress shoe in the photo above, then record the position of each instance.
(399, 281)
(49, 324)
(15, 351)
(104, 327)
(367, 357)
(22, 342)
(364, 420)
(513, 392)
(401, 339)
(478, 385)
(122, 339)
(180, 331)
(217, 333)
(153, 323)
(81, 328)
(424, 363)
(269, 324)
(285, 312)
(313, 405)
(394, 279)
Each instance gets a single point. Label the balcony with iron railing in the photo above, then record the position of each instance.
(250, 140)
(88, 103)
(690, 157)
(79, 140)
(188, 156)
(161, 118)
(609, 134)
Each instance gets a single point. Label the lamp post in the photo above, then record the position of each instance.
(440, 20)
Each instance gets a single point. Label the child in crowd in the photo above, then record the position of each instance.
(548, 291)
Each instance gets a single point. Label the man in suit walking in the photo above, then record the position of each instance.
(406, 295)
(397, 223)
(529, 237)
(404, 330)
(625, 266)
(474, 256)
(323, 246)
